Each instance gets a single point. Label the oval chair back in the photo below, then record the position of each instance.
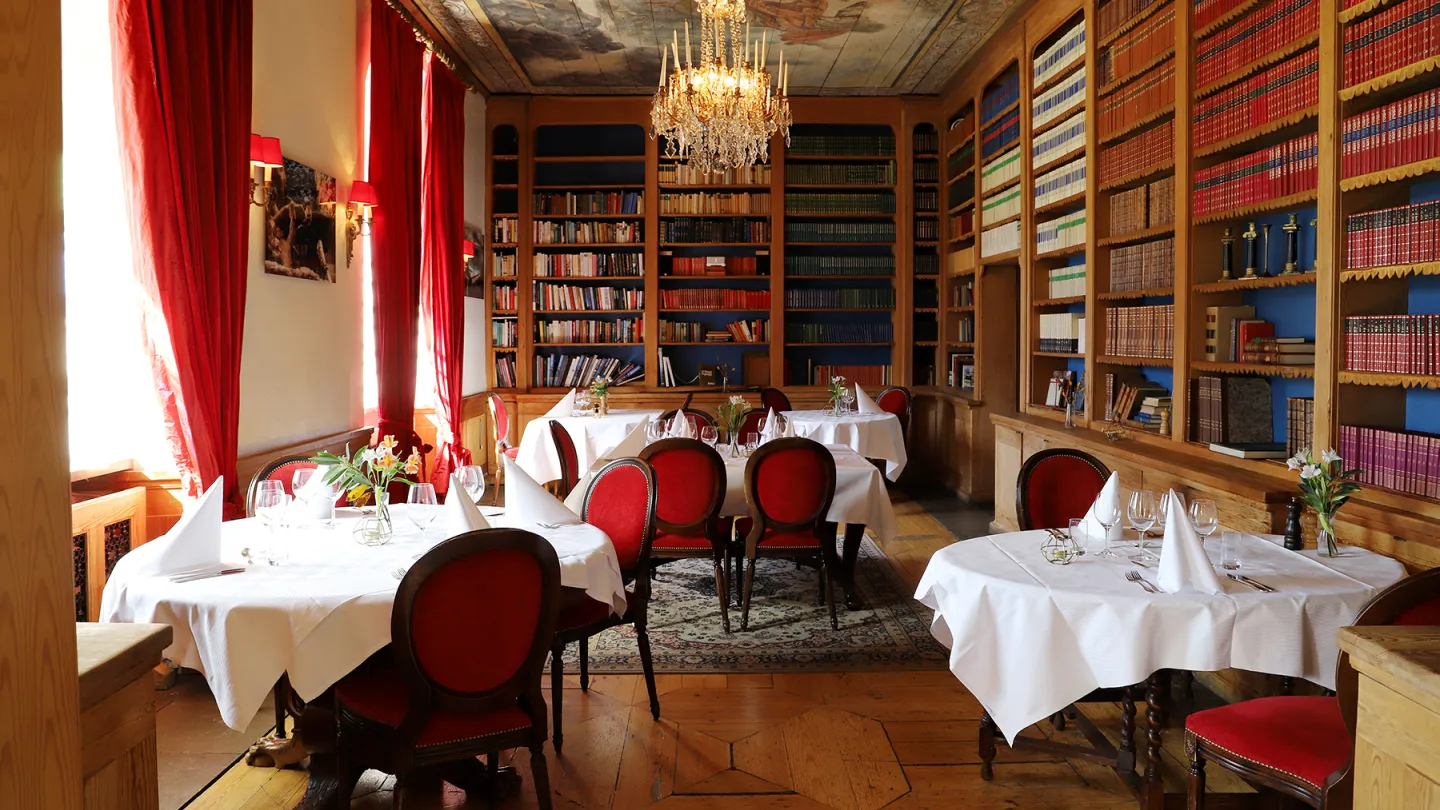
(569, 459)
(1411, 602)
(504, 580)
(896, 400)
(690, 480)
(774, 398)
(1056, 485)
(499, 422)
(621, 502)
(789, 486)
(697, 418)
(281, 469)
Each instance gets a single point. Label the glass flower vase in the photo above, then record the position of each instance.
(1325, 544)
(376, 528)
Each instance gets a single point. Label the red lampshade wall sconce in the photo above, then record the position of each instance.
(467, 250)
(358, 217)
(265, 156)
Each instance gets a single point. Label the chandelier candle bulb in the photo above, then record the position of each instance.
(687, 45)
(664, 63)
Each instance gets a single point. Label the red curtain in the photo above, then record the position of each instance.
(394, 161)
(182, 87)
(442, 272)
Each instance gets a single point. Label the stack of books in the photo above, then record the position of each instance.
(687, 229)
(1299, 425)
(1147, 206)
(503, 298)
(998, 98)
(839, 265)
(1000, 171)
(878, 232)
(1000, 206)
(1000, 135)
(505, 371)
(724, 300)
(1279, 351)
(821, 373)
(1066, 282)
(854, 298)
(505, 230)
(683, 174)
(714, 203)
(1068, 49)
(1125, 396)
(504, 333)
(842, 144)
(962, 372)
(1110, 16)
(839, 332)
(588, 202)
(1062, 140)
(1058, 100)
(1067, 230)
(1001, 239)
(841, 174)
(570, 298)
(579, 371)
(571, 232)
(589, 265)
(625, 330)
(847, 203)
(692, 266)
(1059, 183)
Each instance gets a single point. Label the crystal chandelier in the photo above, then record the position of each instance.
(720, 113)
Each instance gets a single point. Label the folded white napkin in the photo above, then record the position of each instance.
(1182, 560)
(1110, 493)
(863, 402)
(565, 407)
(312, 501)
(679, 427)
(192, 543)
(528, 502)
(461, 514)
(769, 431)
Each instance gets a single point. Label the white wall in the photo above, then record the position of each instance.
(300, 374)
(475, 324)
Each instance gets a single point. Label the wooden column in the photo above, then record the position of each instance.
(39, 696)
(1329, 234)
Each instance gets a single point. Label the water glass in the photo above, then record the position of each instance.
(1232, 550)
(1142, 514)
(654, 431)
(752, 443)
(270, 506)
(709, 435)
(1206, 517)
(1079, 538)
(421, 506)
(582, 403)
(472, 478)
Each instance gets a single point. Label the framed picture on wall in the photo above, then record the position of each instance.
(475, 267)
(300, 224)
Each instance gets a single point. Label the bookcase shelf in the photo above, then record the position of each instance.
(997, 223)
(1395, 175)
(868, 186)
(1398, 78)
(594, 216)
(1008, 257)
(1009, 108)
(1063, 159)
(1264, 282)
(1125, 295)
(1359, 10)
(1274, 57)
(961, 145)
(1061, 252)
(1054, 81)
(598, 345)
(1040, 129)
(1058, 302)
(1277, 204)
(1116, 84)
(1069, 355)
(970, 203)
(1392, 271)
(1122, 360)
(1139, 178)
(1130, 129)
(1061, 204)
(1132, 237)
(1389, 380)
(969, 170)
(1139, 17)
(1255, 369)
(1257, 138)
(1225, 19)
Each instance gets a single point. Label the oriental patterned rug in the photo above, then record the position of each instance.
(789, 627)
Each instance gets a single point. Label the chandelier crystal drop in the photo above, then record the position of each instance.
(720, 113)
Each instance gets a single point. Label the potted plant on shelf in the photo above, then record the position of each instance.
(370, 471)
(731, 415)
(600, 395)
(1325, 486)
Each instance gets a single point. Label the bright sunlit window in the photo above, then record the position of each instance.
(114, 414)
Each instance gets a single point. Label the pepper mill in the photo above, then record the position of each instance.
(1293, 540)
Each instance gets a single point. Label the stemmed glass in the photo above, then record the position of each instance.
(655, 430)
(847, 399)
(582, 403)
(421, 506)
(270, 506)
(709, 435)
(300, 478)
(1141, 513)
(1206, 517)
(472, 478)
(752, 443)
(1107, 514)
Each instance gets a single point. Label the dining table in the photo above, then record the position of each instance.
(594, 436)
(1029, 638)
(861, 501)
(872, 435)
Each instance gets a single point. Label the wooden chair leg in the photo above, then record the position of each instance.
(541, 773)
(584, 665)
(722, 589)
(1195, 791)
(987, 746)
(827, 592)
(557, 692)
(647, 664)
(745, 599)
(1057, 720)
(492, 770)
(821, 583)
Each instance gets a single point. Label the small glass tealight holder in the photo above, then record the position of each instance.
(1059, 549)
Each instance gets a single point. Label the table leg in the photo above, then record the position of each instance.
(1152, 791)
(987, 746)
(1125, 757)
(854, 533)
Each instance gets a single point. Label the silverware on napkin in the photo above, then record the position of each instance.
(1134, 576)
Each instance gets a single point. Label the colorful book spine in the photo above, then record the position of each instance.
(626, 330)
(1142, 153)
(1067, 50)
(1057, 184)
(1138, 47)
(1406, 131)
(503, 298)
(1058, 100)
(961, 159)
(1401, 35)
(1145, 332)
(505, 371)
(590, 202)
(1112, 15)
(714, 203)
(752, 331)
(962, 224)
(571, 232)
(1000, 135)
(1146, 266)
(589, 265)
(1138, 100)
(717, 299)
(504, 265)
(579, 371)
(683, 174)
(1061, 140)
(504, 333)
(1000, 171)
(1299, 425)
(821, 374)
(1400, 460)
(1000, 206)
(692, 266)
(1281, 91)
(1409, 234)
(583, 297)
(1060, 233)
(1262, 32)
(1060, 332)
(999, 98)
(1393, 344)
(1278, 171)
(505, 230)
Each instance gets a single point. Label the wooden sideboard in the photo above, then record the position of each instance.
(117, 713)
(1397, 726)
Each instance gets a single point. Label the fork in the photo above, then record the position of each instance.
(1134, 576)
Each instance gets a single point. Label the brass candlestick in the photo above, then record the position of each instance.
(1292, 246)
(1252, 261)
(1265, 264)
(1227, 255)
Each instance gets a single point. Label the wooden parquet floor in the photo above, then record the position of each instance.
(787, 741)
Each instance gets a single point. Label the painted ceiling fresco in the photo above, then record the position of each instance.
(837, 47)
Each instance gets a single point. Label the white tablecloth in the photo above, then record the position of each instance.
(1029, 638)
(594, 436)
(872, 435)
(316, 616)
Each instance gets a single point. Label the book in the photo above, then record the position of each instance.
(1257, 450)
(1258, 34)
(1277, 171)
(1396, 134)
(1149, 150)
(1218, 322)
(1407, 234)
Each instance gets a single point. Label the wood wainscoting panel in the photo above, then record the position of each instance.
(106, 528)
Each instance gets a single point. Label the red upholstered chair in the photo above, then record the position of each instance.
(472, 622)
(896, 400)
(500, 423)
(690, 482)
(774, 398)
(1303, 747)
(620, 502)
(751, 423)
(1055, 485)
(569, 461)
(789, 484)
(698, 418)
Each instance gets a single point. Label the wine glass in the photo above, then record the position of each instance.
(752, 443)
(1206, 517)
(300, 478)
(709, 435)
(270, 506)
(472, 479)
(847, 400)
(1107, 514)
(421, 506)
(655, 430)
(1141, 513)
(582, 403)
